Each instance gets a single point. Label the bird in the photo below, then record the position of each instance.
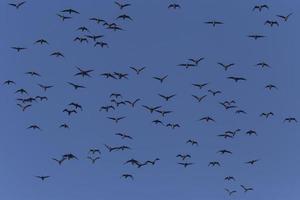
(115, 95)
(42, 177)
(93, 159)
(124, 17)
(83, 29)
(124, 136)
(18, 49)
(251, 132)
(132, 103)
(8, 82)
(214, 93)
(192, 142)
(271, 86)
(236, 79)
(76, 86)
(57, 54)
(41, 41)
(224, 151)
(229, 178)
(185, 164)
(199, 98)
(183, 156)
(260, 7)
(246, 189)
(252, 162)
(97, 20)
(256, 36)
(138, 70)
(45, 87)
(163, 112)
(106, 108)
(240, 111)
(230, 192)
(200, 85)
(102, 44)
(262, 64)
(94, 151)
(69, 112)
(160, 79)
(63, 17)
(126, 176)
(70, 11)
(152, 109)
(116, 119)
(226, 66)
(94, 37)
(122, 6)
(152, 162)
(207, 119)
(32, 73)
(76, 105)
(17, 5)
(186, 65)
(34, 127)
(83, 73)
(64, 125)
(271, 23)
(22, 91)
(174, 6)
(266, 114)
(285, 17)
(167, 98)
(59, 161)
(70, 156)
(214, 163)
(173, 126)
(214, 23)
(81, 39)
(196, 61)
(290, 119)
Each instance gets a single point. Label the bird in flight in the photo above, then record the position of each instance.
(167, 98)
(266, 114)
(214, 23)
(76, 86)
(252, 162)
(230, 192)
(260, 7)
(57, 54)
(124, 17)
(214, 163)
(192, 142)
(229, 178)
(70, 11)
(116, 119)
(226, 66)
(93, 159)
(214, 93)
(271, 23)
(41, 41)
(207, 119)
(185, 164)
(284, 17)
(138, 70)
(199, 98)
(42, 177)
(126, 176)
(83, 73)
(174, 6)
(246, 189)
(8, 82)
(121, 6)
(236, 79)
(63, 17)
(270, 87)
(17, 5)
(200, 85)
(152, 109)
(124, 136)
(18, 49)
(183, 156)
(256, 36)
(290, 119)
(196, 61)
(59, 161)
(161, 79)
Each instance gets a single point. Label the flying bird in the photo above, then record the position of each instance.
(284, 17)
(17, 5)
(121, 6)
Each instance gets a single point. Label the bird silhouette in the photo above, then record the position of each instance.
(17, 5)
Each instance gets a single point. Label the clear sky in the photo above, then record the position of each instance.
(159, 39)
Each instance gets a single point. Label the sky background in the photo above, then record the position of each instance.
(159, 39)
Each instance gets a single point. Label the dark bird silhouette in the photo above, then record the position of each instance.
(164, 112)
(81, 39)
(185, 164)
(161, 79)
(42, 177)
(83, 29)
(41, 98)
(196, 61)
(174, 6)
(236, 79)
(21, 91)
(173, 126)
(116, 119)
(290, 119)
(59, 161)
(252, 162)
(224, 151)
(45, 87)
(167, 98)
(246, 189)
(126, 176)
(57, 54)
(152, 162)
(256, 36)
(17, 5)
(32, 73)
(102, 44)
(121, 75)
(69, 112)
(121, 6)
(76, 105)
(284, 17)
(266, 114)
(187, 65)
(83, 73)
(263, 64)
(214, 23)
(97, 20)
(251, 132)
(271, 86)
(108, 75)
(8, 82)
(63, 17)
(93, 159)
(192, 142)
(41, 41)
(115, 95)
(226, 66)
(18, 49)
(70, 11)
(225, 135)
(124, 136)
(94, 151)
(24, 107)
(157, 121)
(138, 70)
(132, 103)
(240, 111)
(230, 192)
(271, 23)
(229, 178)
(214, 93)
(260, 7)
(183, 156)
(199, 98)
(76, 86)
(106, 108)
(94, 37)
(214, 163)
(70, 156)
(124, 17)
(152, 109)
(64, 125)
(207, 119)
(34, 127)
(200, 85)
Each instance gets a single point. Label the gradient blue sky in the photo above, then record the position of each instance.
(158, 39)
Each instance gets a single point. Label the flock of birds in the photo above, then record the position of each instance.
(25, 101)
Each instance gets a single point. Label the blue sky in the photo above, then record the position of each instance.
(158, 38)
